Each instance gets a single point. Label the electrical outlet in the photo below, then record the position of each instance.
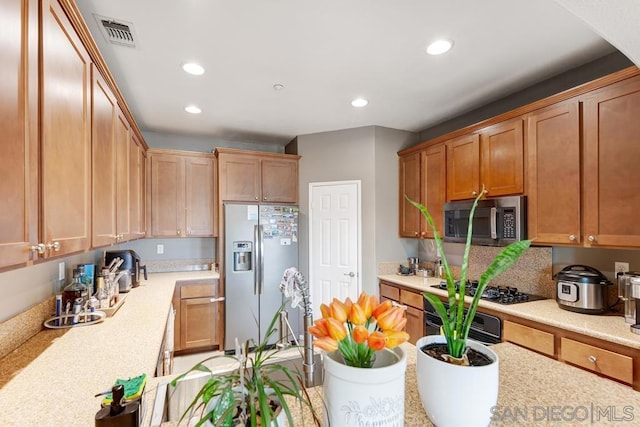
(61, 270)
(622, 267)
(159, 249)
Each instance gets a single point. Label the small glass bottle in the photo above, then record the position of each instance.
(74, 290)
(101, 293)
(86, 280)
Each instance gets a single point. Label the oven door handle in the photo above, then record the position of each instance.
(494, 217)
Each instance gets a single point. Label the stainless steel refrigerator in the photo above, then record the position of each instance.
(261, 242)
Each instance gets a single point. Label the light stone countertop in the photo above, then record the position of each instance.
(534, 391)
(57, 388)
(608, 328)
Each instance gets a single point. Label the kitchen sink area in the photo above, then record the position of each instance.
(171, 402)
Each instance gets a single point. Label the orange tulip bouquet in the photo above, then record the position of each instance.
(359, 329)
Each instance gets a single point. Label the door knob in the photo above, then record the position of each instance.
(350, 274)
(55, 246)
(39, 248)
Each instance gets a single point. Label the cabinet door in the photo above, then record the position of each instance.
(167, 195)
(136, 188)
(123, 149)
(463, 167)
(239, 177)
(553, 144)
(198, 323)
(415, 324)
(611, 172)
(65, 135)
(502, 167)
(409, 180)
(434, 186)
(199, 196)
(279, 180)
(19, 121)
(103, 114)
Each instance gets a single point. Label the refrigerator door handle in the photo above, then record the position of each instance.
(256, 255)
(261, 255)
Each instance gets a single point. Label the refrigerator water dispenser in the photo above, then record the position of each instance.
(242, 255)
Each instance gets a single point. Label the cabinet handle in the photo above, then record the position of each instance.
(592, 239)
(486, 191)
(264, 198)
(39, 248)
(415, 233)
(423, 234)
(179, 232)
(256, 197)
(55, 246)
(473, 193)
(216, 299)
(592, 359)
(572, 237)
(397, 304)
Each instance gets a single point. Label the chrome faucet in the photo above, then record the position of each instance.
(294, 284)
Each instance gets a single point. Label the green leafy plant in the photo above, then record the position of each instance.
(250, 393)
(455, 322)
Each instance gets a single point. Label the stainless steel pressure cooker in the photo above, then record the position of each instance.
(582, 289)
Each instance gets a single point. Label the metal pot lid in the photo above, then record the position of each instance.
(582, 274)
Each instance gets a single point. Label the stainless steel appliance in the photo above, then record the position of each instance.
(413, 263)
(582, 289)
(131, 263)
(497, 294)
(485, 328)
(627, 284)
(496, 222)
(261, 242)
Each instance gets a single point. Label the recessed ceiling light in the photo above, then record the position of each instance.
(193, 68)
(439, 47)
(278, 87)
(192, 109)
(359, 102)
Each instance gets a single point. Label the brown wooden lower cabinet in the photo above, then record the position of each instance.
(413, 301)
(198, 323)
(602, 357)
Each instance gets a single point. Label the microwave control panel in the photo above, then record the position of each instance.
(509, 223)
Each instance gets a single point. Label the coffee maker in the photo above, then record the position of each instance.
(629, 292)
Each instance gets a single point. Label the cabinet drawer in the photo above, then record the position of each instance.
(528, 337)
(412, 299)
(389, 292)
(197, 291)
(598, 360)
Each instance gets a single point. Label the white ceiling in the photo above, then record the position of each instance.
(327, 52)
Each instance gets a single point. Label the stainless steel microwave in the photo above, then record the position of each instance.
(496, 222)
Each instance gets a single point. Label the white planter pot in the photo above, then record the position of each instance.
(365, 396)
(453, 395)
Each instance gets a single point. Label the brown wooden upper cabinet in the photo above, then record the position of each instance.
(259, 177)
(137, 185)
(611, 172)
(182, 186)
(423, 179)
(553, 164)
(493, 157)
(19, 112)
(65, 101)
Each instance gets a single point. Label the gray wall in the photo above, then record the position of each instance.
(567, 80)
(174, 249)
(367, 154)
(202, 144)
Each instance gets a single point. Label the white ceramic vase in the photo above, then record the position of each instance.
(365, 396)
(454, 395)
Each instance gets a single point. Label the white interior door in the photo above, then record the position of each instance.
(334, 242)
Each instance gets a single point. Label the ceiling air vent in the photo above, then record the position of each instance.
(117, 32)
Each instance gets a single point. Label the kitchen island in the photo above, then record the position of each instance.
(534, 390)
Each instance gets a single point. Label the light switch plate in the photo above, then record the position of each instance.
(159, 248)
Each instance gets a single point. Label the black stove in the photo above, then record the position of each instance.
(497, 294)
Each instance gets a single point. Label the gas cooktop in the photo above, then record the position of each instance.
(497, 294)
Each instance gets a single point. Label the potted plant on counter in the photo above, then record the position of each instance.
(254, 392)
(364, 369)
(451, 363)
